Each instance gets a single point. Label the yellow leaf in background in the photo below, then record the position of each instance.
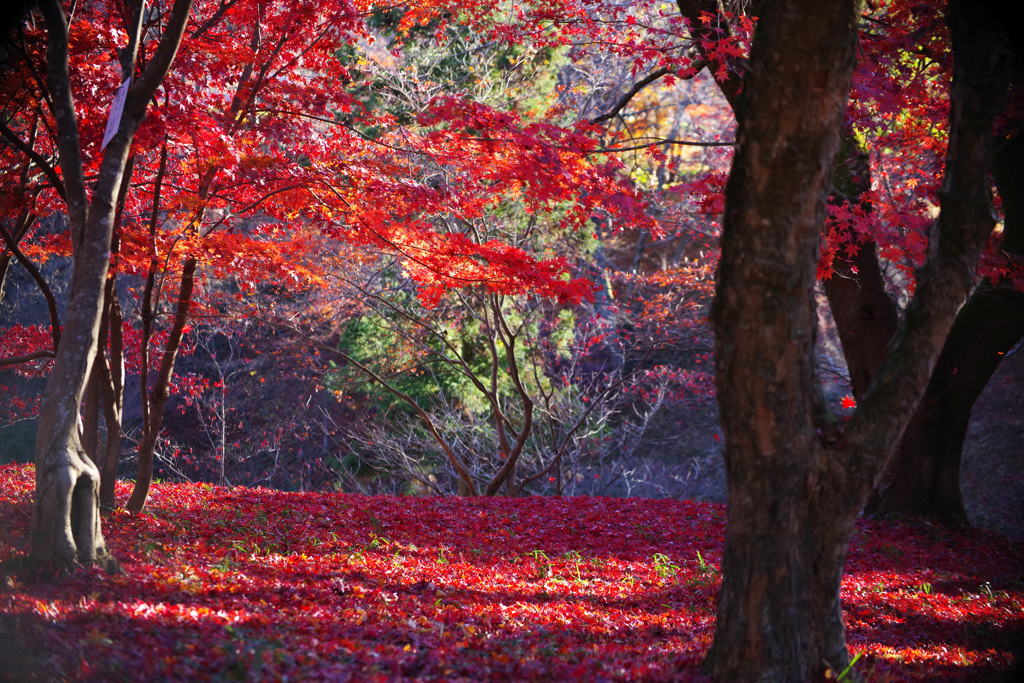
(698, 110)
(95, 638)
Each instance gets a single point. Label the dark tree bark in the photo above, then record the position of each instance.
(65, 510)
(112, 386)
(778, 612)
(866, 317)
(796, 479)
(923, 478)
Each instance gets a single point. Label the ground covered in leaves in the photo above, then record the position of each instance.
(257, 585)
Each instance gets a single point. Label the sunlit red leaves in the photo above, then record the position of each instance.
(323, 586)
(500, 153)
(20, 341)
(1000, 266)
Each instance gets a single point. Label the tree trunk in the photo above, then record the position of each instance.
(112, 386)
(923, 477)
(91, 409)
(778, 612)
(65, 510)
(866, 318)
(156, 398)
(796, 478)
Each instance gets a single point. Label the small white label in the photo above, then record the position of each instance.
(116, 108)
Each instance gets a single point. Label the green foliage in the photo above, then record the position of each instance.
(664, 566)
(519, 77)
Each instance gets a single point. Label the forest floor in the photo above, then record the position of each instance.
(223, 584)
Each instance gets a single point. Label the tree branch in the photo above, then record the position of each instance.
(44, 287)
(43, 164)
(630, 94)
(42, 353)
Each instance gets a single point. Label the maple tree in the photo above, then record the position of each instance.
(222, 199)
(222, 202)
(924, 477)
(66, 526)
(883, 197)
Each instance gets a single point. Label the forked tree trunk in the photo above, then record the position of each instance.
(796, 478)
(923, 479)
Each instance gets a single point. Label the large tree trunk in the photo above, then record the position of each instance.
(778, 612)
(796, 479)
(65, 510)
(923, 477)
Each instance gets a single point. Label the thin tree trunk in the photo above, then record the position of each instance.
(110, 358)
(154, 399)
(91, 409)
(866, 317)
(160, 392)
(112, 386)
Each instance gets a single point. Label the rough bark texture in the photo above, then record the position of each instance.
(923, 477)
(778, 612)
(796, 481)
(65, 510)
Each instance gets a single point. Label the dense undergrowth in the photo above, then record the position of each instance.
(251, 584)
